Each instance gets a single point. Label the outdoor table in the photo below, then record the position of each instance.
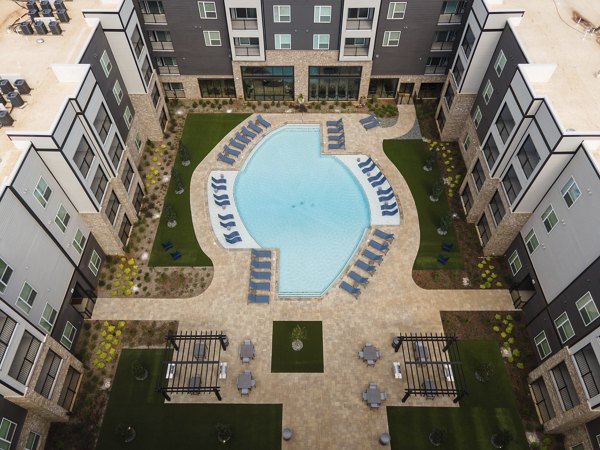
(373, 397)
(247, 351)
(370, 353)
(244, 380)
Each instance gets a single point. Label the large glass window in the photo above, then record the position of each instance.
(531, 241)
(152, 11)
(7, 327)
(458, 71)
(138, 197)
(115, 151)
(128, 117)
(147, 70)
(112, 208)
(505, 123)
(95, 262)
(528, 157)
(477, 116)
(478, 175)
(102, 123)
(441, 119)
(512, 185)
(5, 273)
(467, 199)
(484, 229)
(174, 89)
(443, 40)
(79, 241)
(125, 229)
(127, 176)
(436, 65)
(487, 92)
(383, 87)
(84, 156)
(452, 12)
(497, 208)
(449, 95)
(161, 40)
(468, 41)
(217, 88)
(490, 150)
(542, 400)
(68, 335)
(118, 92)
(33, 441)
(99, 184)
(138, 43)
(48, 318)
(167, 65)
(268, 82)
(334, 83)
(549, 218)
(570, 192)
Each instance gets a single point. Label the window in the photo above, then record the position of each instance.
(436, 65)
(449, 96)
(5, 273)
(564, 328)
(208, 10)
(587, 308)
(68, 335)
(383, 87)
(33, 441)
(458, 71)
(268, 82)
(541, 400)
(115, 151)
(589, 370)
(125, 229)
(320, 42)
(99, 184)
(67, 396)
(62, 218)
(48, 318)
(497, 208)
(84, 156)
(443, 40)
(514, 262)
(26, 298)
(42, 192)
(128, 176)
(528, 157)
(118, 92)
(549, 218)
(490, 150)
(7, 431)
(477, 117)
(95, 261)
(500, 63)
(322, 14)
(484, 230)
(283, 41)
(105, 63)
(102, 123)
(468, 41)
(542, 345)
(357, 14)
(579, 446)
(531, 241)
(113, 208)
(138, 43)
(564, 386)
(217, 88)
(511, 184)
(334, 83)
(138, 140)
(570, 192)
(467, 141)
(396, 10)
(79, 241)
(467, 199)
(161, 40)
(282, 13)
(7, 327)
(167, 65)
(441, 119)
(488, 91)
(147, 70)
(391, 38)
(452, 12)
(212, 38)
(22, 363)
(128, 117)
(478, 175)
(152, 11)
(155, 95)
(505, 123)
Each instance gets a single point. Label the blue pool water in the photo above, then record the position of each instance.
(308, 205)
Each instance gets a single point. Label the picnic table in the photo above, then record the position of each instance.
(370, 354)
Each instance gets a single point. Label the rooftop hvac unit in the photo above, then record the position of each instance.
(54, 27)
(2, 100)
(15, 99)
(58, 4)
(62, 15)
(40, 27)
(45, 4)
(5, 119)
(33, 13)
(47, 12)
(31, 4)
(26, 28)
(22, 86)
(6, 87)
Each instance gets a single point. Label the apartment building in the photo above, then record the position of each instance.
(263, 50)
(79, 97)
(522, 102)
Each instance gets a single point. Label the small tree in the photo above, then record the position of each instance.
(184, 155)
(436, 191)
(139, 371)
(501, 439)
(125, 432)
(224, 432)
(438, 436)
(445, 223)
(429, 162)
(297, 334)
(170, 216)
(177, 183)
(483, 372)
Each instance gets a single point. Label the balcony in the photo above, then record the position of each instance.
(356, 50)
(442, 46)
(247, 50)
(154, 18)
(168, 70)
(359, 24)
(244, 24)
(165, 46)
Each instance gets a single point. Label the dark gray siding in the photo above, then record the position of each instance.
(92, 56)
(302, 26)
(514, 56)
(15, 414)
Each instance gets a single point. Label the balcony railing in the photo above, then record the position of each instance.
(180, 93)
(435, 70)
(442, 46)
(356, 51)
(450, 18)
(244, 24)
(168, 70)
(162, 45)
(154, 18)
(359, 24)
(247, 50)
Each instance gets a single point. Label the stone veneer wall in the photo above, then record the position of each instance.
(504, 234)
(103, 230)
(578, 435)
(469, 154)
(148, 116)
(37, 424)
(482, 198)
(457, 115)
(564, 421)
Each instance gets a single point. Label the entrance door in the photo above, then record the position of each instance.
(405, 93)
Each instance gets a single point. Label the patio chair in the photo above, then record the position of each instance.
(378, 246)
(167, 245)
(260, 275)
(219, 180)
(335, 130)
(356, 277)
(383, 235)
(384, 191)
(259, 286)
(226, 159)
(373, 124)
(336, 145)
(248, 133)
(447, 246)
(242, 138)
(221, 197)
(236, 144)
(231, 235)
(364, 266)
(220, 187)
(253, 298)
(261, 120)
(369, 168)
(260, 264)
(253, 383)
(199, 350)
(261, 253)
(365, 396)
(334, 123)
(244, 391)
(231, 151)
(337, 138)
(234, 240)
(386, 198)
(375, 177)
(175, 255)
(350, 289)
(223, 203)
(379, 182)
(227, 225)
(366, 162)
(372, 385)
(361, 354)
(370, 362)
(254, 128)
(443, 259)
(383, 396)
(368, 119)
(372, 256)
(225, 216)
(389, 213)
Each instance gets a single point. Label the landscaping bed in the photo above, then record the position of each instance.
(309, 359)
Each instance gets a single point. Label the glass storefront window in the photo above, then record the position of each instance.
(383, 87)
(264, 83)
(217, 88)
(334, 83)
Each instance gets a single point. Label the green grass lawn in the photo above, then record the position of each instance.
(180, 426)
(200, 134)
(309, 359)
(409, 157)
(487, 409)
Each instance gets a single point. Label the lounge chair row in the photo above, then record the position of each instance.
(175, 254)
(259, 280)
(243, 138)
(387, 199)
(335, 134)
(357, 279)
(370, 122)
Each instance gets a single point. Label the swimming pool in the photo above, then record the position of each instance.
(306, 204)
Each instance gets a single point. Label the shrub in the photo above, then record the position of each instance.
(520, 365)
(170, 214)
(177, 183)
(184, 154)
(496, 328)
(194, 105)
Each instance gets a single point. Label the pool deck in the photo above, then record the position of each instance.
(325, 410)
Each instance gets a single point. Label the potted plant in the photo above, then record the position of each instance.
(184, 155)
(139, 371)
(171, 216)
(177, 183)
(445, 223)
(437, 436)
(436, 191)
(501, 439)
(483, 372)
(298, 333)
(125, 432)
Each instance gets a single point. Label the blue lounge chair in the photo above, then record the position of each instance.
(443, 259)
(373, 124)
(447, 246)
(254, 128)
(336, 138)
(356, 277)
(372, 256)
(242, 138)
(227, 225)
(223, 203)
(226, 159)
(335, 130)
(231, 151)
(167, 245)
(219, 187)
(253, 298)
(218, 180)
(175, 255)
(248, 133)
(225, 216)
(221, 197)
(378, 246)
(384, 191)
(334, 123)
(236, 144)
(365, 163)
(234, 240)
(379, 182)
(260, 286)
(368, 119)
(369, 168)
(261, 120)
(364, 266)
(375, 177)
(336, 145)
(260, 275)
(261, 253)
(351, 289)
(386, 198)
(383, 235)
(260, 264)
(388, 207)
(231, 235)
(389, 213)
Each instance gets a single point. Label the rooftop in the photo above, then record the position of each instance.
(562, 33)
